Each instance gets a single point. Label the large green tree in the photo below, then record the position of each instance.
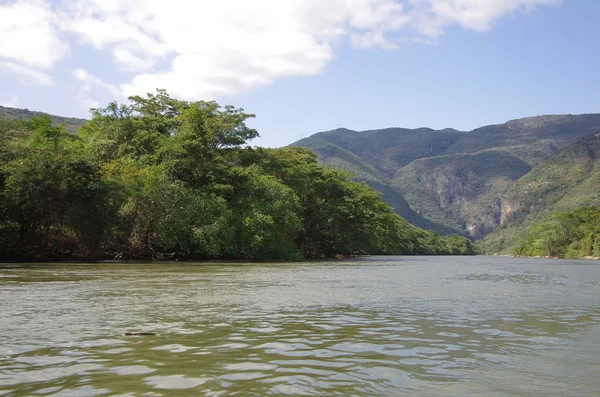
(159, 178)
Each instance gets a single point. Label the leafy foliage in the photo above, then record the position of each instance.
(51, 201)
(161, 178)
(573, 234)
(566, 181)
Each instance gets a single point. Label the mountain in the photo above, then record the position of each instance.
(460, 191)
(447, 180)
(71, 124)
(566, 181)
(376, 156)
(384, 150)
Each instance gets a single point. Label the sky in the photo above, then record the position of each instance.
(304, 66)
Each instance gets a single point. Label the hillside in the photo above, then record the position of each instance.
(461, 191)
(449, 180)
(384, 150)
(71, 124)
(375, 156)
(566, 181)
(530, 137)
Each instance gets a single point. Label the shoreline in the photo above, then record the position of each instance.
(590, 258)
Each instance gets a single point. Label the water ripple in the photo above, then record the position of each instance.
(356, 329)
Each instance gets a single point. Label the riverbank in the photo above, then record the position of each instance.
(553, 257)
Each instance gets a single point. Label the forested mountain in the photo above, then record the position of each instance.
(565, 182)
(376, 156)
(447, 180)
(71, 124)
(382, 150)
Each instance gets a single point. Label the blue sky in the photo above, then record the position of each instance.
(305, 66)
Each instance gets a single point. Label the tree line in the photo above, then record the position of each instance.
(160, 178)
(572, 234)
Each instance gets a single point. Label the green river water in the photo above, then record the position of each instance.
(381, 326)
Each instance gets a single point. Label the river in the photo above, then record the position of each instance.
(380, 326)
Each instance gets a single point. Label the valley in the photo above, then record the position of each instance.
(469, 182)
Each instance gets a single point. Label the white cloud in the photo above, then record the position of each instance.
(372, 39)
(224, 47)
(29, 34)
(88, 82)
(208, 48)
(432, 16)
(131, 62)
(27, 74)
(88, 78)
(29, 41)
(220, 48)
(14, 101)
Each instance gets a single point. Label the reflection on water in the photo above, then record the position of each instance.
(407, 326)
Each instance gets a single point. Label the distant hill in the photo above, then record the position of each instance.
(566, 181)
(384, 150)
(449, 180)
(376, 156)
(461, 191)
(530, 137)
(71, 124)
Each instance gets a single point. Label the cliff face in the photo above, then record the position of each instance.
(507, 208)
(512, 206)
(463, 191)
(566, 181)
(454, 181)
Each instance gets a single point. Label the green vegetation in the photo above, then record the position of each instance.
(158, 178)
(565, 182)
(71, 124)
(169, 179)
(573, 234)
(451, 181)
(384, 150)
(535, 133)
(461, 191)
(375, 156)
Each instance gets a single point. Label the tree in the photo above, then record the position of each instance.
(55, 204)
(159, 178)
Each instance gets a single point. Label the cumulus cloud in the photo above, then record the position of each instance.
(205, 49)
(432, 16)
(30, 35)
(30, 40)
